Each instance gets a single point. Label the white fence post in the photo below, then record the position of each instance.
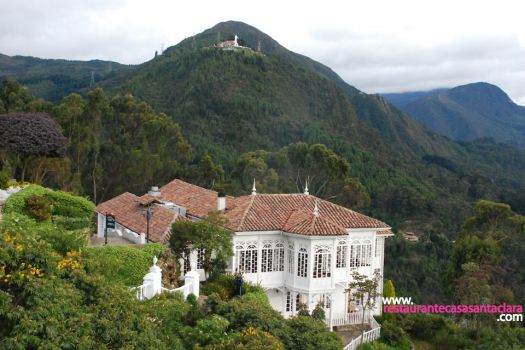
(153, 280)
(192, 279)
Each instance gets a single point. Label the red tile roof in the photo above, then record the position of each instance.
(127, 209)
(291, 213)
(268, 212)
(198, 201)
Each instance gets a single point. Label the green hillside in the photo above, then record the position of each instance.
(52, 79)
(230, 102)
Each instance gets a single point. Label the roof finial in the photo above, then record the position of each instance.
(316, 209)
(306, 187)
(254, 190)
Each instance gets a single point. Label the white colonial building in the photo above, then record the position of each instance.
(299, 248)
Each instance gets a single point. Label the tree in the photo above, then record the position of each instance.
(473, 288)
(366, 290)
(28, 135)
(209, 235)
(389, 292)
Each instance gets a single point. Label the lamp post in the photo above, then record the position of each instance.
(148, 213)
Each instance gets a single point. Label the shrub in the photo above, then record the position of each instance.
(66, 241)
(392, 334)
(62, 203)
(222, 285)
(38, 208)
(70, 224)
(318, 313)
(4, 180)
(124, 265)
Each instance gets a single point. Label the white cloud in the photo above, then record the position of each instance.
(377, 46)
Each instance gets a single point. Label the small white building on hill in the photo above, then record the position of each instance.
(299, 248)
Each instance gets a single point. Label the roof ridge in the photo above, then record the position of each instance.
(189, 183)
(248, 207)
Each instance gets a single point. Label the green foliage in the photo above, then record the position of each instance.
(223, 285)
(62, 203)
(318, 337)
(318, 313)
(121, 265)
(4, 180)
(38, 207)
(207, 234)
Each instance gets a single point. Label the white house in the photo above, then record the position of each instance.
(299, 248)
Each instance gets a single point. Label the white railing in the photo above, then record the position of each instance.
(185, 289)
(141, 291)
(369, 336)
(349, 318)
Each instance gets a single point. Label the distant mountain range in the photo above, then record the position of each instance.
(233, 101)
(467, 112)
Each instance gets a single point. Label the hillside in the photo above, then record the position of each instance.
(230, 102)
(470, 112)
(52, 79)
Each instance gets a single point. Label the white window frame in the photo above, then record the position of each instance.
(342, 248)
(302, 263)
(322, 262)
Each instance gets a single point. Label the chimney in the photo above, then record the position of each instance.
(221, 201)
(154, 192)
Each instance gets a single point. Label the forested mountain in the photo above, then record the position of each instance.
(53, 79)
(468, 112)
(401, 99)
(228, 102)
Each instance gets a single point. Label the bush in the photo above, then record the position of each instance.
(70, 224)
(4, 180)
(222, 285)
(38, 208)
(62, 203)
(392, 334)
(122, 265)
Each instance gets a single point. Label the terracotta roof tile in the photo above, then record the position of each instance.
(267, 212)
(198, 201)
(262, 212)
(127, 209)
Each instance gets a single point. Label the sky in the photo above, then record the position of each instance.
(376, 46)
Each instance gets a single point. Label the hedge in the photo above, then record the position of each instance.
(63, 204)
(125, 265)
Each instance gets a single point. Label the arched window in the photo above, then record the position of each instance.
(379, 246)
(291, 258)
(278, 257)
(200, 258)
(355, 254)
(360, 253)
(322, 262)
(246, 258)
(272, 258)
(366, 253)
(266, 258)
(341, 254)
(302, 263)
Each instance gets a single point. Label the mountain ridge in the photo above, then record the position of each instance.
(469, 112)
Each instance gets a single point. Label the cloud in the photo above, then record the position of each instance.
(378, 63)
(377, 46)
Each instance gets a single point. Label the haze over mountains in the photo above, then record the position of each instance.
(467, 112)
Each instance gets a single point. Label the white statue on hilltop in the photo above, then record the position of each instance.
(235, 41)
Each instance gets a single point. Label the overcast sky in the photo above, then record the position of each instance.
(377, 46)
